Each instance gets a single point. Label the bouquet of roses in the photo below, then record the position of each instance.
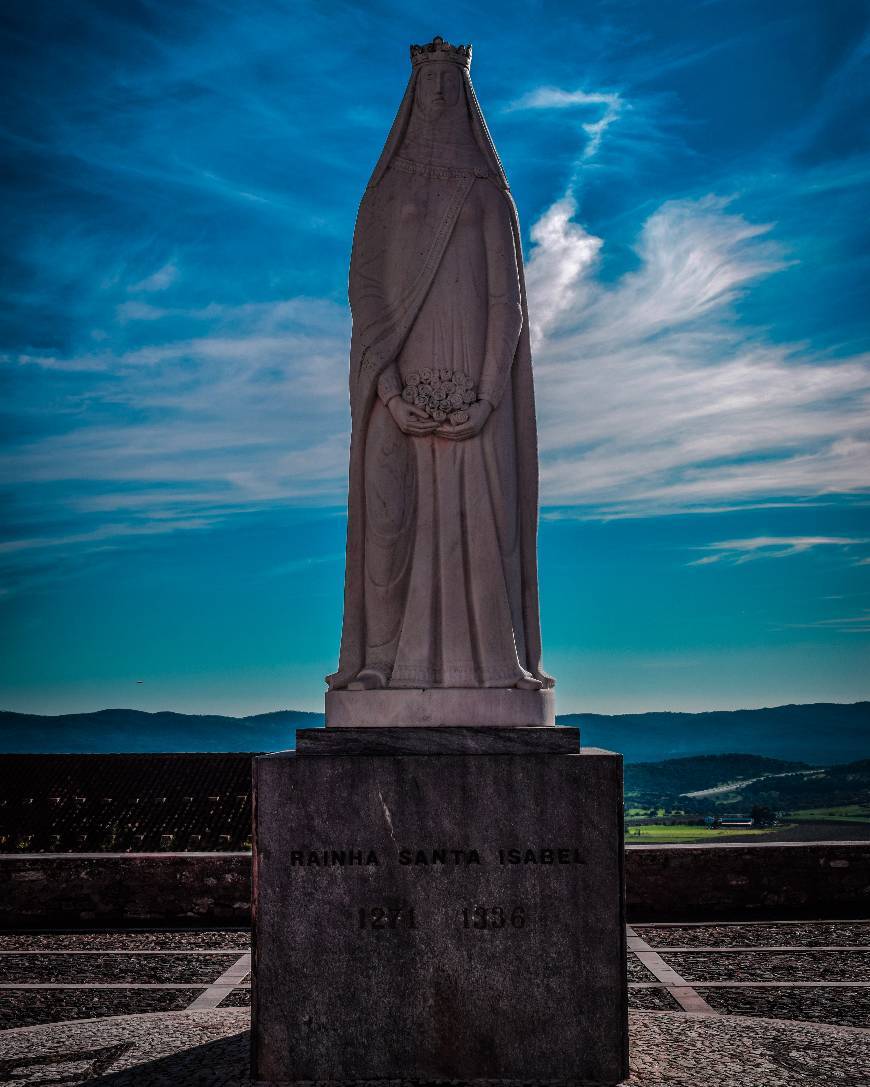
(441, 393)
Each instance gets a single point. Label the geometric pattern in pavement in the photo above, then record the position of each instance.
(211, 1049)
(817, 971)
(766, 1003)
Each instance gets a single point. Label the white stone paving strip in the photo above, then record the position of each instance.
(687, 994)
(102, 985)
(803, 923)
(223, 986)
(122, 951)
(752, 984)
(754, 948)
(678, 987)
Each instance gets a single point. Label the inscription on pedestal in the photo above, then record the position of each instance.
(389, 918)
(439, 917)
(324, 858)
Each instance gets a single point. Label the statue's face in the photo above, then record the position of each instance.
(438, 87)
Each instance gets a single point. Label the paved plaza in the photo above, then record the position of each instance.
(764, 1004)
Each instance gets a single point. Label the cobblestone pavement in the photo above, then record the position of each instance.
(19, 1008)
(759, 934)
(803, 985)
(150, 940)
(818, 1005)
(771, 966)
(111, 968)
(210, 1049)
(637, 971)
(653, 999)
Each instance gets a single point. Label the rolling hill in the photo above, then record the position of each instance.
(676, 777)
(723, 783)
(131, 731)
(819, 734)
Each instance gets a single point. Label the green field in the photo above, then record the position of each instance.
(846, 813)
(673, 835)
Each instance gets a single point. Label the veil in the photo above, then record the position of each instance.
(403, 117)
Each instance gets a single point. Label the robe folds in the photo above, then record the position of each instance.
(441, 586)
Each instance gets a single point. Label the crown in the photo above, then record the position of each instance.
(439, 49)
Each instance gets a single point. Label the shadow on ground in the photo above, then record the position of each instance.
(224, 1063)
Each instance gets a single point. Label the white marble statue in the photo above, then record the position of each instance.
(441, 588)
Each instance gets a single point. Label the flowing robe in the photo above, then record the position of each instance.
(441, 584)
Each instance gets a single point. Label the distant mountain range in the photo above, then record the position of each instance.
(820, 734)
(120, 730)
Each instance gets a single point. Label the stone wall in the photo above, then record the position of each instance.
(666, 883)
(789, 879)
(135, 889)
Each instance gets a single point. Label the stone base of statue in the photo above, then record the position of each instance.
(439, 904)
(497, 707)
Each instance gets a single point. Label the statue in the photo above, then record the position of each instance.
(441, 586)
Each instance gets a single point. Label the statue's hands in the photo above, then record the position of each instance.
(478, 413)
(409, 418)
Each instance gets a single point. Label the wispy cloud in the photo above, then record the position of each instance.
(606, 105)
(99, 536)
(557, 276)
(250, 412)
(847, 624)
(655, 394)
(771, 547)
(655, 397)
(651, 396)
(158, 281)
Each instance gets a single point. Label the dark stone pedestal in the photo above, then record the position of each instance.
(454, 915)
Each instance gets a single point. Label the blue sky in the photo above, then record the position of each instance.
(179, 192)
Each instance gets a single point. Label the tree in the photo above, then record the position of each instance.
(763, 816)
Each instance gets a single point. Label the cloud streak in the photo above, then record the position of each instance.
(654, 398)
(651, 398)
(847, 624)
(170, 434)
(655, 393)
(772, 547)
(607, 105)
